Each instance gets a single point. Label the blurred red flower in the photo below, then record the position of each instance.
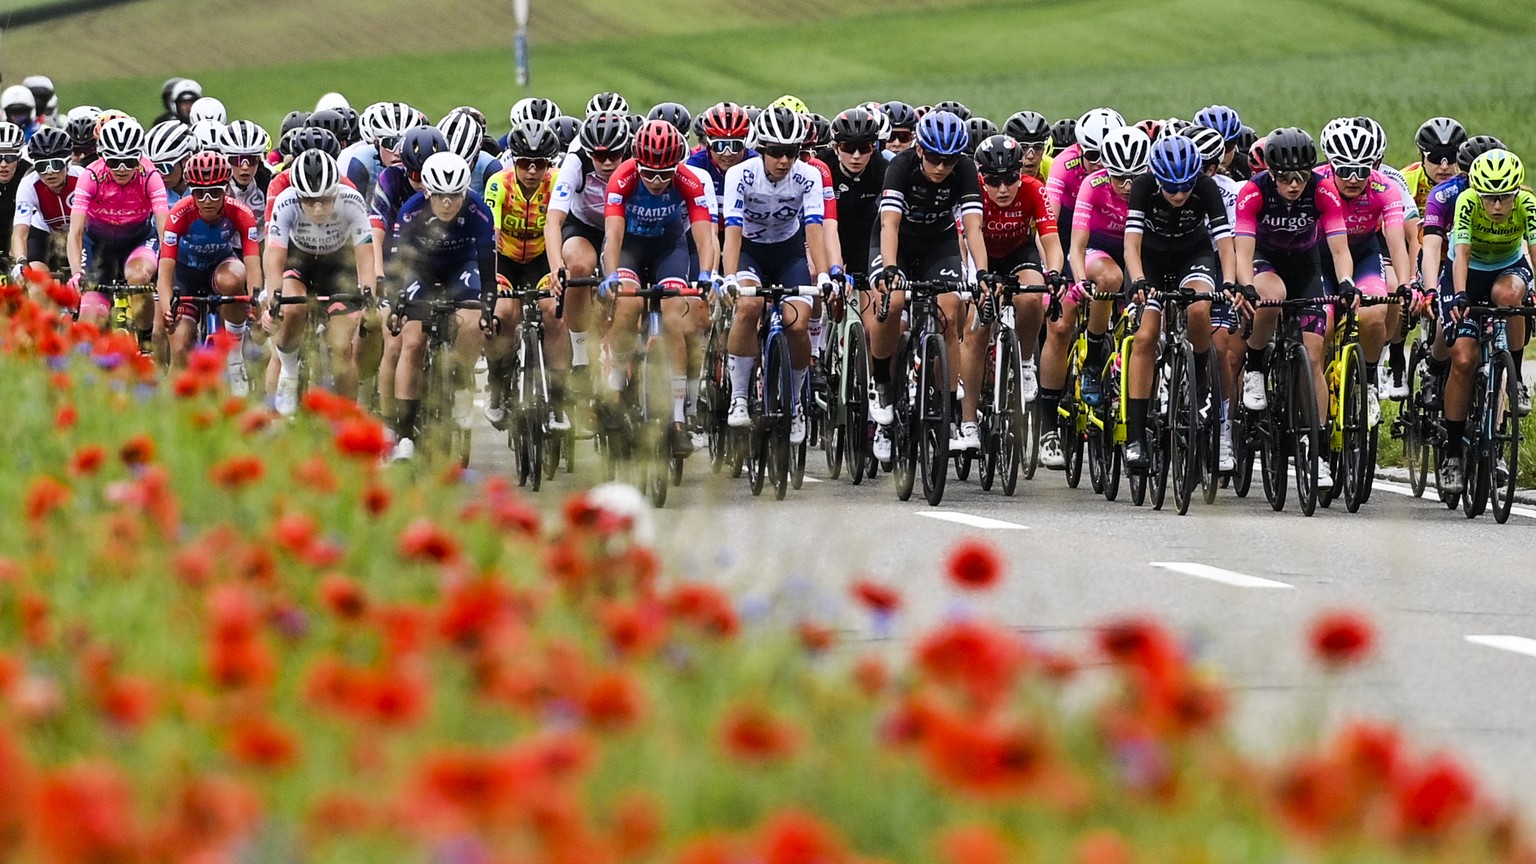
(84, 813)
(237, 471)
(260, 742)
(1103, 846)
(634, 630)
(980, 660)
(974, 565)
(876, 597)
(983, 758)
(65, 417)
(1434, 797)
(972, 844)
(137, 450)
(362, 438)
(637, 824)
(870, 673)
(1342, 639)
(375, 499)
(614, 701)
(423, 540)
(706, 607)
(815, 637)
(753, 733)
(44, 495)
(343, 597)
(796, 837)
(88, 459)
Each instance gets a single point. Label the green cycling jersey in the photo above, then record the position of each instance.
(1493, 245)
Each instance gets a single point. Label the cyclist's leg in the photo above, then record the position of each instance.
(580, 253)
(140, 267)
(1370, 279)
(501, 349)
(1301, 282)
(741, 341)
(1029, 309)
(338, 270)
(1512, 289)
(623, 331)
(100, 263)
(1140, 366)
(677, 317)
(469, 341)
(788, 267)
(412, 358)
(1107, 274)
(1199, 275)
(186, 282)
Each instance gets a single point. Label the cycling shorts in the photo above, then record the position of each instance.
(923, 263)
(458, 284)
(1303, 277)
(1092, 255)
(103, 259)
(323, 275)
(1479, 293)
(1163, 267)
(573, 227)
(1025, 254)
(522, 274)
(776, 264)
(193, 282)
(649, 260)
(1370, 273)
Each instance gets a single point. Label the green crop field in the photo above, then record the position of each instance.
(1288, 61)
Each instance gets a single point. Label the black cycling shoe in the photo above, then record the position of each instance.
(1136, 458)
(682, 442)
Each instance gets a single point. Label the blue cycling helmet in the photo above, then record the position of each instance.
(1176, 162)
(1222, 119)
(419, 143)
(943, 133)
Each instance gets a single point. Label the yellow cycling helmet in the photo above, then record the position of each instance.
(793, 103)
(1497, 172)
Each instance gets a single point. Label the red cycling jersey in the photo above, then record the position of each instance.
(1007, 228)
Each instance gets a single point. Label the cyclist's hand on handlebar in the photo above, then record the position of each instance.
(727, 285)
(1348, 294)
(1458, 308)
(609, 285)
(557, 284)
(74, 281)
(1138, 291)
(826, 285)
(888, 278)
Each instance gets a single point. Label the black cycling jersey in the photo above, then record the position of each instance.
(928, 210)
(858, 203)
(8, 200)
(1165, 227)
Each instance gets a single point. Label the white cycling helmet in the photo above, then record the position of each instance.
(11, 138)
(208, 135)
(244, 138)
(1378, 136)
(1094, 125)
(533, 108)
(79, 111)
(780, 126)
(386, 121)
(184, 89)
(607, 102)
(1349, 146)
(17, 96)
(208, 108)
(169, 142)
(445, 174)
(332, 101)
(1124, 151)
(463, 132)
(315, 174)
(121, 138)
(1208, 141)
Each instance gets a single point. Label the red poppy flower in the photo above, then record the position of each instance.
(329, 405)
(1315, 798)
(65, 417)
(614, 701)
(876, 597)
(1435, 797)
(259, 742)
(637, 824)
(752, 733)
(137, 450)
(361, 438)
(375, 499)
(237, 471)
(44, 495)
(711, 849)
(475, 612)
(980, 660)
(797, 837)
(815, 637)
(423, 540)
(84, 812)
(87, 460)
(870, 673)
(1342, 639)
(634, 630)
(343, 597)
(295, 532)
(972, 844)
(706, 607)
(982, 758)
(1103, 846)
(127, 701)
(975, 566)
(316, 474)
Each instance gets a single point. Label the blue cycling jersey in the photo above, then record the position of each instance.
(435, 249)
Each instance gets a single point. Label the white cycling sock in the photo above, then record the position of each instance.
(693, 394)
(289, 362)
(579, 348)
(679, 398)
(797, 383)
(740, 369)
(818, 337)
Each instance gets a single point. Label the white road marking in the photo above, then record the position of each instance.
(810, 479)
(1517, 644)
(1429, 495)
(973, 521)
(1216, 574)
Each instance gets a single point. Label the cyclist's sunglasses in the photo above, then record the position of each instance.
(1032, 146)
(325, 200)
(901, 136)
(532, 164)
(245, 160)
(1440, 157)
(1000, 180)
(445, 197)
(10, 158)
(657, 175)
(390, 142)
(941, 160)
(789, 152)
(727, 146)
(1352, 172)
(53, 166)
(856, 148)
(1292, 176)
(1122, 179)
(1176, 188)
(115, 164)
(1091, 156)
(1502, 198)
(606, 156)
(207, 193)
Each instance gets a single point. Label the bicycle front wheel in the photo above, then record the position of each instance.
(1306, 440)
(1476, 458)
(1184, 438)
(776, 411)
(905, 428)
(1356, 419)
(855, 385)
(1412, 421)
(1504, 452)
(653, 451)
(933, 413)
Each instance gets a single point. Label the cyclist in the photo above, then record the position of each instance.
(210, 245)
(518, 199)
(1373, 209)
(606, 102)
(927, 189)
(116, 220)
(855, 143)
(1229, 343)
(312, 248)
(20, 108)
(168, 145)
(301, 139)
(1017, 225)
(1075, 164)
(1097, 252)
(13, 168)
(1228, 124)
(244, 144)
(1489, 267)
(773, 223)
(726, 130)
(380, 127)
(178, 104)
(464, 133)
(650, 201)
(1033, 132)
(1175, 214)
(44, 97)
(903, 120)
(1437, 141)
(210, 110)
(444, 238)
(573, 230)
(1283, 215)
(82, 133)
(42, 202)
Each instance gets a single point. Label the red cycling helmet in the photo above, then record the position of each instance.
(1256, 156)
(725, 120)
(207, 168)
(658, 145)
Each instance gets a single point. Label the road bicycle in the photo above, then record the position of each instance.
(922, 392)
(1491, 449)
(441, 436)
(844, 400)
(771, 399)
(1009, 426)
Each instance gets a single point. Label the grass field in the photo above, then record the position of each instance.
(1301, 62)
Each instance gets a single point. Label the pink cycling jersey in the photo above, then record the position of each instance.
(1067, 176)
(1101, 212)
(1379, 207)
(112, 211)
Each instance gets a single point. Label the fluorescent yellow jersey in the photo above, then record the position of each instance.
(1493, 245)
(1045, 168)
(519, 218)
(1419, 184)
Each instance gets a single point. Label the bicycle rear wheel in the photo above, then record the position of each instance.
(854, 431)
(933, 413)
(1208, 422)
(1478, 471)
(653, 452)
(1005, 445)
(1504, 449)
(1274, 429)
(1184, 437)
(1412, 421)
(905, 428)
(1242, 451)
(1306, 434)
(776, 411)
(1160, 426)
(1109, 416)
(1355, 457)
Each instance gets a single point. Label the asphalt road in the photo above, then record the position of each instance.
(1454, 600)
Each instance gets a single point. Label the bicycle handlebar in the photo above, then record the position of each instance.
(777, 292)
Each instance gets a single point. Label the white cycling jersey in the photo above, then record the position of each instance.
(769, 212)
(713, 202)
(253, 197)
(30, 210)
(292, 227)
(579, 194)
(1410, 206)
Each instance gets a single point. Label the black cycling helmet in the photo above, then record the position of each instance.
(332, 121)
(635, 121)
(606, 131)
(48, 143)
(1243, 142)
(419, 143)
(1474, 147)
(855, 126)
(999, 154)
(293, 120)
(674, 113)
(956, 108)
(1290, 149)
(309, 138)
(1439, 134)
(533, 139)
(902, 115)
(167, 89)
(981, 128)
(1064, 133)
(353, 129)
(1028, 127)
(565, 128)
(82, 132)
(818, 130)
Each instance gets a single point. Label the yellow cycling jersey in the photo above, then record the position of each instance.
(1493, 245)
(1045, 168)
(518, 216)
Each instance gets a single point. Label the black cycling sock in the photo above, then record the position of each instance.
(1254, 360)
(880, 370)
(1439, 367)
(1371, 371)
(1136, 419)
(405, 417)
(1098, 347)
(1454, 431)
(1050, 401)
(1395, 359)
